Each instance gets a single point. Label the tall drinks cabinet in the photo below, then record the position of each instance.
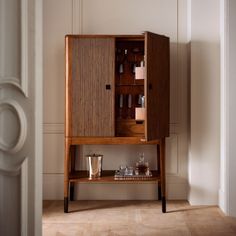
(117, 92)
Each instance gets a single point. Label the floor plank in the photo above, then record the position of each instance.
(134, 218)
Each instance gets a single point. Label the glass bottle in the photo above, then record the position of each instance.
(141, 165)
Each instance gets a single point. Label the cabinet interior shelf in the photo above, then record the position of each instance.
(108, 176)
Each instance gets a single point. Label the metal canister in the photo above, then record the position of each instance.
(94, 165)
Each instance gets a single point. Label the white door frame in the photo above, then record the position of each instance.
(21, 97)
(38, 115)
(227, 192)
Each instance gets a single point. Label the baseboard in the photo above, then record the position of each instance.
(203, 197)
(222, 204)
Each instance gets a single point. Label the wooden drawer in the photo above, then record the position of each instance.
(129, 128)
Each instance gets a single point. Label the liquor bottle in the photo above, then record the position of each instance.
(121, 103)
(129, 113)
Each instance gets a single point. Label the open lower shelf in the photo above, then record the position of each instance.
(108, 176)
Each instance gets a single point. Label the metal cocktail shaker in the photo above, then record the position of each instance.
(95, 165)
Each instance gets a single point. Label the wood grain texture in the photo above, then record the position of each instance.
(157, 86)
(129, 128)
(68, 98)
(92, 69)
(90, 107)
(126, 37)
(111, 140)
(66, 166)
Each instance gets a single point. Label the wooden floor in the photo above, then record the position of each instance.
(129, 218)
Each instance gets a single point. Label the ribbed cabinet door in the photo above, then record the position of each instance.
(157, 86)
(92, 86)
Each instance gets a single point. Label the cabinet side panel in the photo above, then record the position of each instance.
(93, 86)
(157, 86)
(68, 87)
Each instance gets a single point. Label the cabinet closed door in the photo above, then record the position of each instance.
(157, 86)
(90, 81)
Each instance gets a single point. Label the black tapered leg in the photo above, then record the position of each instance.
(72, 169)
(66, 173)
(66, 204)
(163, 200)
(162, 174)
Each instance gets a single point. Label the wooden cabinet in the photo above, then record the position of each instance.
(109, 80)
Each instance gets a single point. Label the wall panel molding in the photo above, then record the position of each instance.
(77, 16)
(56, 24)
(55, 128)
(172, 157)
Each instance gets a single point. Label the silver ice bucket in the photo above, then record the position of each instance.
(94, 165)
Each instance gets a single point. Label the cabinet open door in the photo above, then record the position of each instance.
(156, 86)
(90, 86)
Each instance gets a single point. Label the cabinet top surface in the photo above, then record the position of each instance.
(138, 36)
(117, 36)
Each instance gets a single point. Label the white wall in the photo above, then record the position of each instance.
(204, 157)
(167, 17)
(228, 108)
